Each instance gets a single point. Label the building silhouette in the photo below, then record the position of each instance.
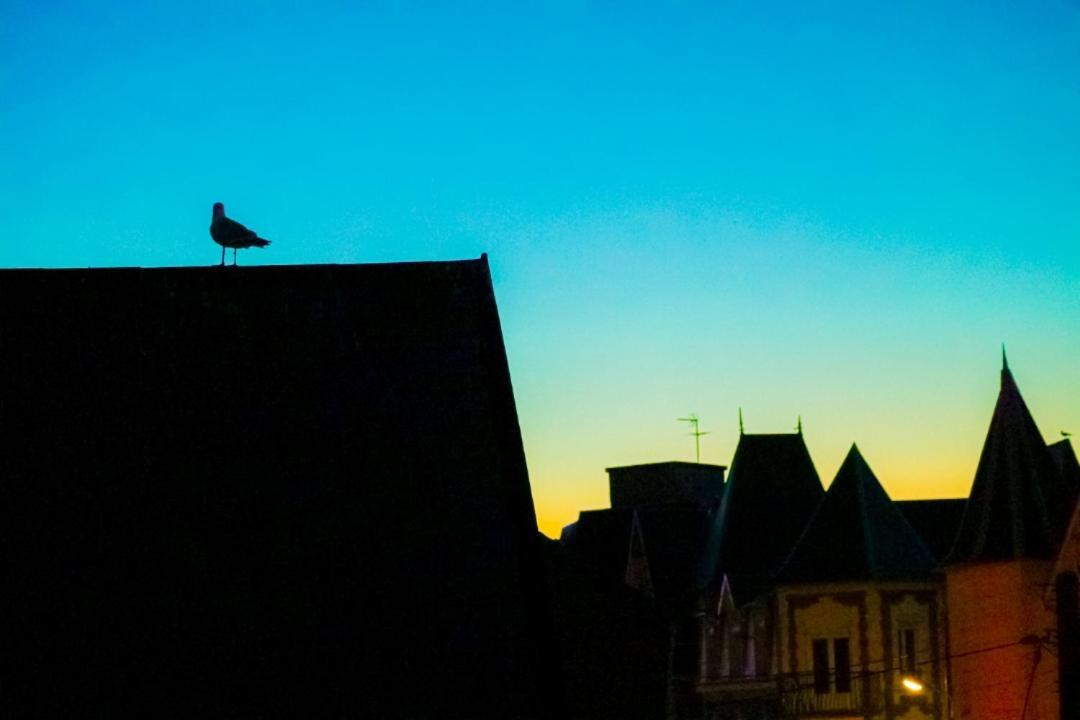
(293, 491)
(839, 604)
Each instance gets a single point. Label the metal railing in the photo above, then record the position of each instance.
(799, 697)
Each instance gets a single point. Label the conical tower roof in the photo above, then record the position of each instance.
(857, 533)
(1019, 504)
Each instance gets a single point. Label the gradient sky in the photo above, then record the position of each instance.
(834, 210)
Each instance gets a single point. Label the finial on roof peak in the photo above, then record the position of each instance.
(1004, 360)
(798, 427)
(740, 422)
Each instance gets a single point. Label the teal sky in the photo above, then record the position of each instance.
(838, 210)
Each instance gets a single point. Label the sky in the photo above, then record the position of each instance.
(834, 211)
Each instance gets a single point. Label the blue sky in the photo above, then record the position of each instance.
(837, 210)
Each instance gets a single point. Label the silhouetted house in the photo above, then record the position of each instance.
(261, 492)
(607, 543)
(771, 493)
(858, 609)
(614, 641)
(935, 521)
(1001, 564)
(653, 540)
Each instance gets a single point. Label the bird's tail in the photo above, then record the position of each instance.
(260, 242)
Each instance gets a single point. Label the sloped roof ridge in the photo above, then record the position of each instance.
(261, 267)
(869, 543)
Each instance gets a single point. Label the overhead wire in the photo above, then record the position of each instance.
(799, 687)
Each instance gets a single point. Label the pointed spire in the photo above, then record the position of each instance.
(798, 427)
(1019, 503)
(1004, 360)
(740, 422)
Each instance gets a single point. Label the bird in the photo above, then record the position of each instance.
(231, 234)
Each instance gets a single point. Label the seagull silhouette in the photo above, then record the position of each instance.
(231, 234)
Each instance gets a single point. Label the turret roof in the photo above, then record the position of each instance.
(1019, 503)
(771, 492)
(857, 533)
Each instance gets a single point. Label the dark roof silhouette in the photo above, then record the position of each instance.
(600, 542)
(279, 491)
(936, 522)
(1019, 503)
(771, 492)
(666, 483)
(857, 534)
(673, 539)
(1064, 457)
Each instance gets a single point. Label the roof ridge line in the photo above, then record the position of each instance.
(868, 537)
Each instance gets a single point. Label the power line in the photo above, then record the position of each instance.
(798, 687)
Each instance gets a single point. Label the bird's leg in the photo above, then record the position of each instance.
(222, 256)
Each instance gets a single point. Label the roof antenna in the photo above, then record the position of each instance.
(740, 422)
(693, 420)
(798, 428)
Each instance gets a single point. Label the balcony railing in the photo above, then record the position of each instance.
(799, 697)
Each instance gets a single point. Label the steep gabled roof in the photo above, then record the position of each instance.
(771, 492)
(266, 491)
(857, 534)
(1019, 503)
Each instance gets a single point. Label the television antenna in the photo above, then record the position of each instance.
(696, 432)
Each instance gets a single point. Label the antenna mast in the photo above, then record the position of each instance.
(696, 432)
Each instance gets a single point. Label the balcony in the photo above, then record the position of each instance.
(738, 687)
(800, 699)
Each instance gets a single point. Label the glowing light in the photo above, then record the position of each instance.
(912, 684)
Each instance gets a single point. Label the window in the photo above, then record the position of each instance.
(905, 644)
(821, 666)
(832, 671)
(842, 665)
